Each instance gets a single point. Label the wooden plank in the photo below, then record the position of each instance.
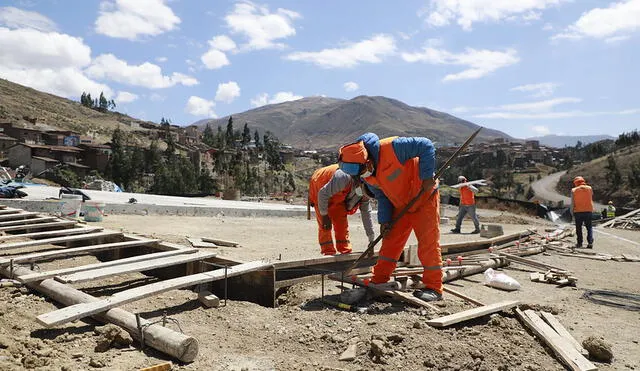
(198, 243)
(60, 232)
(82, 310)
(471, 314)
(615, 220)
(18, 216)
(59, 272)
(562, 331)
(28, 221)
(462, 296)
(100, 271)
(592, 257)
(631, 258)
(10, 211)
(220, 242)
(54, 240)
(565, 351)
(73, 251)
(529, 262)
(62, 224)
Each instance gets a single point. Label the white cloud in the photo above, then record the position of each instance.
(32, 48)
(227, 92)
(222, 43)
(618, 20)
(544, 105)
(214, 59)
(197, 106)
(479, 63)
(17, 18)
(553, 115)
(541, 130)
(131, 19)
(125, 97)
(467, 12)
(547, 27)
(461, 109)
(261, 27)
(351, 86)
(279, 97)
(149, 75)
(155, 97)
(372, 50)
(543, 89)
(47, 61)
(162, 59)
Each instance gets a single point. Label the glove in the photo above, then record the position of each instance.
(326, 222)
(384, 228)
(430, 183)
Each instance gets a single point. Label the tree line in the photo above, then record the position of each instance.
(101, 104)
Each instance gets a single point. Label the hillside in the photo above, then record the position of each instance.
(595, 173)
(561, 141)
(319, 122)
(21, 104)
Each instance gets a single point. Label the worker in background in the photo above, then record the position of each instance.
(611, 210)
(467, 206)
(395, 169)
(335, 195)
(582, 209)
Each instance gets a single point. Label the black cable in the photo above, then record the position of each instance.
(615, 299)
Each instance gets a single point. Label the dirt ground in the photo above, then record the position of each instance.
(303, 334)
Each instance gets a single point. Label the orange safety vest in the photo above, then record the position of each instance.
(467, 198)
(399, 182)
(582, 199)
(323, 176)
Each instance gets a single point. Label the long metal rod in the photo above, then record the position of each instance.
(404, 210)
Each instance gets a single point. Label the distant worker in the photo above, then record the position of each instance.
(467, 206)
(335, 195)
(582, 209)
(395, 169)
(611, 210)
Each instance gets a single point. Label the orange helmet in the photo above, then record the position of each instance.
(355, 153)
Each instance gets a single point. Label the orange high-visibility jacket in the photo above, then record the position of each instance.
(467, 198)
(321, 177)
(582, 199)
(399, 182)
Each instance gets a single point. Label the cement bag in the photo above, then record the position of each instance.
(500, 280)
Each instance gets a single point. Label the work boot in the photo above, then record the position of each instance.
(578, 246)
(455, 230)
(475, 231)
(590, 246)
(391, 285)
(427, 295)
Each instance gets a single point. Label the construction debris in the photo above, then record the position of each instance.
(471, 314)
(598, 349)
(560, 278)
(630, 220)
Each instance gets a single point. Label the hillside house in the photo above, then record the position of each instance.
(6, 142)
(96, 156)
(23, 135)
(23, 153)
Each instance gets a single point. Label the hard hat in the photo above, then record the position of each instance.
(354, 153)
(610, 202)
(461, 179)
(578, 181)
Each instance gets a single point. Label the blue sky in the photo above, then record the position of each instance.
(526, 67)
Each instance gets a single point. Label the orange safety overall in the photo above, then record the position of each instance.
(401, 183)
(337, 213)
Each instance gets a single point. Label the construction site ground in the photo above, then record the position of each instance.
(303, 334)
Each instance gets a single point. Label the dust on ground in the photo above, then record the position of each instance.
(304, 334)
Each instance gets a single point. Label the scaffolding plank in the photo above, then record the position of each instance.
(54, 240)
(29, 221)
(82, 310)
(62, 224)
(15, 216)
(471, 313)
(60, 232)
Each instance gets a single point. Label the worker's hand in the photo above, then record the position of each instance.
(326, 222)
(384, 228)
(429, 184)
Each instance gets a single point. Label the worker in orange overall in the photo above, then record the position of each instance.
(335, 195)
(467, 206)
(582, 209)
(395, 169)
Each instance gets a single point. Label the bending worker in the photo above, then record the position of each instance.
(582, 209)
(396, 169)
(611, 210)
(467, 206)
(335, 195)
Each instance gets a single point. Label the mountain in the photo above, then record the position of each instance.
(23, 106)
(561, 141)
(319, 122)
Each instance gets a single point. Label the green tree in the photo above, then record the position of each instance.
(256, 139)
(119, 164)
(272, 150)
(614, 178)
(207, 137)
(229, 137)
(246, 135)
(103, 104)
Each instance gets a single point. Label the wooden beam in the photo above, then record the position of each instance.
(220, 242)
(72, 251)
(614, 220)
(100, 271)
(10, 211)
(163, 339)
(66, 223)
(592, 257)
(82, 268)
(82, 310)
(54, 240)
(462, 296)
(60, 232)
(529, 262)
(472, 313)
(28, 221)
(450, 275)
(563, 349)
(17, 216)
(562, 331)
